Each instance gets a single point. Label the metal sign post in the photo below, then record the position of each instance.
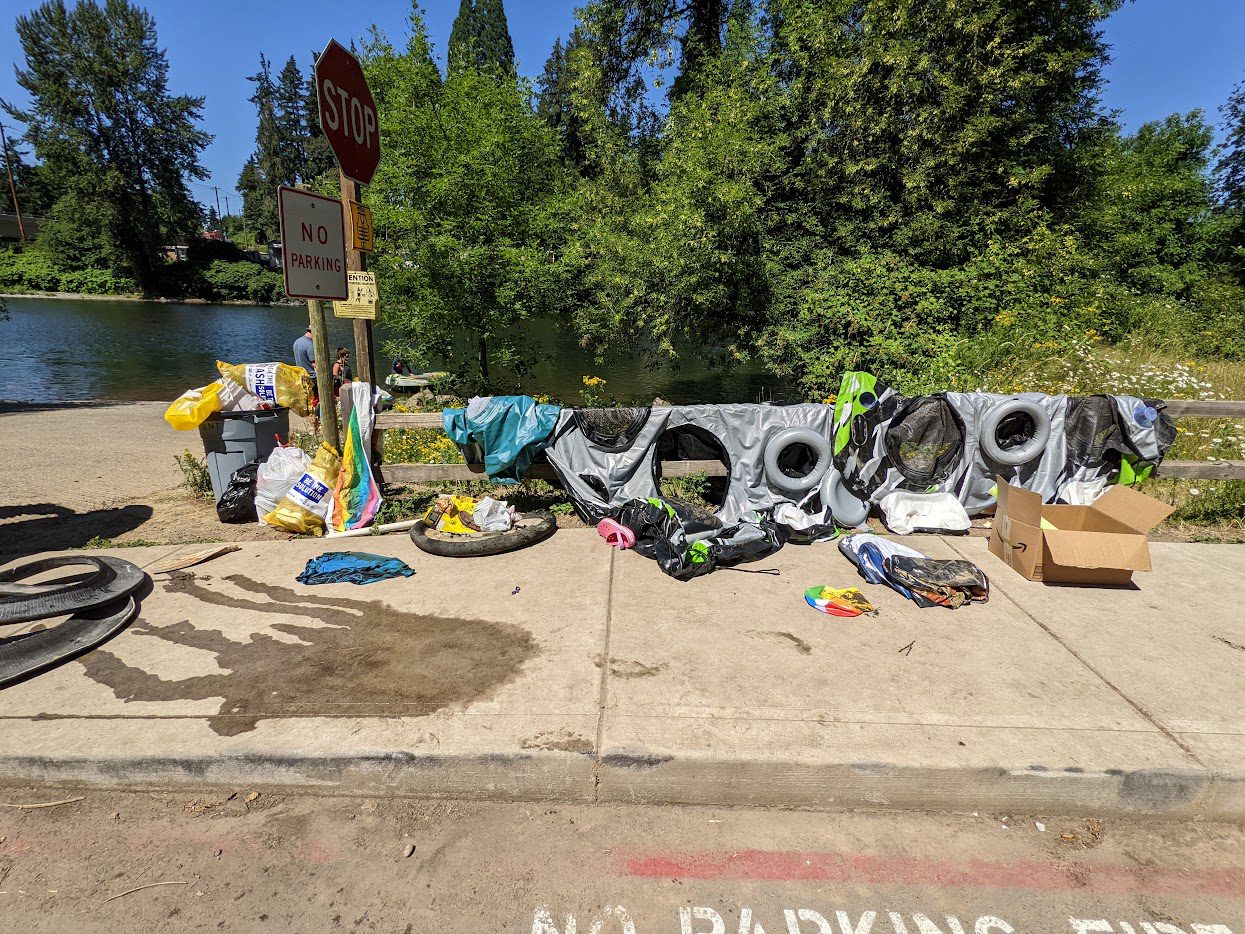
(314, 265)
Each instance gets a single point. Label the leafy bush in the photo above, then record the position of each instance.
(929, 329)
(195, 475)
(35, 270)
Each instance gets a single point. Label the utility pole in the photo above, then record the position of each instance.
(219, 219)
(222, 220)
(8, 164)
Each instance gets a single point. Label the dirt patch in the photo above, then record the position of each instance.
(559, 741)
(800, 645)
(367, 659)
(628, 668)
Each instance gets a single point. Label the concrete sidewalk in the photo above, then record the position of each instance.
(570, 671)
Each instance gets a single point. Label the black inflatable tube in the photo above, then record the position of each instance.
(485, 544)
(29, 654)
(23, 603)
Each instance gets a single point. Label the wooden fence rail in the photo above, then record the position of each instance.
(426, 473)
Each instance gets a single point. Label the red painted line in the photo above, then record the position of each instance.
(779, 866)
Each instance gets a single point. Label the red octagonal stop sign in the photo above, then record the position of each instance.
(348, 112)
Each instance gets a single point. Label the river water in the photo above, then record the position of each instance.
(69, 349)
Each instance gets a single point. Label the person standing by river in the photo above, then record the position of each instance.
(341, 370)
(305, 356)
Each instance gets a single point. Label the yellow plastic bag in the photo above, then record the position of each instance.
(273, 383)
(306, 507)
(446, 514)
(194, 406)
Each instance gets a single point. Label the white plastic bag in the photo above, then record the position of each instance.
(905, 512)
(1083, 492)
(492, 515)
(277, 477)
(234, 398)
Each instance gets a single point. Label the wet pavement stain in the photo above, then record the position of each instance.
(365, 659)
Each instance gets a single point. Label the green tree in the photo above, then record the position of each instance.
(1231, 173)
(466, 209)
(683, 257)
(1231, 164)
(555, 102)
(318, 152)
(113, 144)
(922, 126)
(480, 38)
(256, 208)
(33, 192)
(289, 105)
(1153, 220)
(270, 165)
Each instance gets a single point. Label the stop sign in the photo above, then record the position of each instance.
(347, 112)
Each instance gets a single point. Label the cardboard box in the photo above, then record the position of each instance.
(1099, 544)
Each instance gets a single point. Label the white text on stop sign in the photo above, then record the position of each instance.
(353, 117)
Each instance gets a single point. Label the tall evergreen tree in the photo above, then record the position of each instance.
(919, 125)
(1231, 171)
(480, 38)
(555, 102)
(289, 105)
(112, 141)
(318, 152)
(256, 215)
(268, 167)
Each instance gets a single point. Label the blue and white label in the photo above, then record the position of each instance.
(261, 380)
(310, 493)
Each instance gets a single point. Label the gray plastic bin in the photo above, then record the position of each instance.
(233, 439)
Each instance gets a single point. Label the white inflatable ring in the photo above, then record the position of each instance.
(846, 510)
(988, 440)
(783, 440)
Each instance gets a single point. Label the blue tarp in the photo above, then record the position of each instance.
(511, 430)
(352, 567)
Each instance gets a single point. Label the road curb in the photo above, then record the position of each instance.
(647, 779)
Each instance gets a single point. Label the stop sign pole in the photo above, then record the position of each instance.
(350, 123)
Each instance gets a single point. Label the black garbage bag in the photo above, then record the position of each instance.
(237, 503)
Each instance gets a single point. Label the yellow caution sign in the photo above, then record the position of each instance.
(361, 234)
(363, 300)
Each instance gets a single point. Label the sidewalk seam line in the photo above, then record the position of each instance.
(603, 692)
(1154, 721)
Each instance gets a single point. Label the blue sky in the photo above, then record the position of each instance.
(1168, 55)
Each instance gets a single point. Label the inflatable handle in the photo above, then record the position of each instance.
(616, 534)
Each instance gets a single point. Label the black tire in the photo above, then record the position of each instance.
(111, 580)
(532, 528)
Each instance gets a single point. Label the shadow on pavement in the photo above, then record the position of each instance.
(47, 526)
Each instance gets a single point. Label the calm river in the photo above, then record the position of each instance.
(63, 349)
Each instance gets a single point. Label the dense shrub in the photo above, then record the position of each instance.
(34, 270)
(927, 328)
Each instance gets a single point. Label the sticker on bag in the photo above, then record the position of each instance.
(309, 493)
(261, 380)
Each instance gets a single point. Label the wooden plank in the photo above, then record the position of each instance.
(1205, 408)
(408, 420)
(428, 473)
(1203, 470)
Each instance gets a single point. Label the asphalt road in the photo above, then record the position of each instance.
(267, 862)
